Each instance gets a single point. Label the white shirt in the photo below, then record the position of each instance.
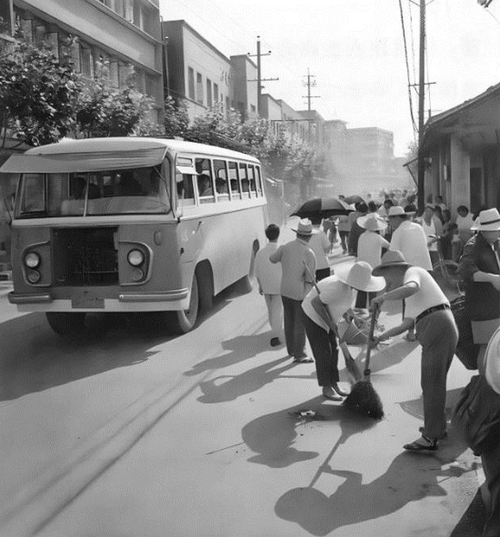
(268, 274)
(320, 245)
(430, 232)
(335, 294)
(464, 224)
(370, 246)
(429, 293)
(411, 240)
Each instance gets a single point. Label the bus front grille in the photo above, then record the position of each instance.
(85, 257)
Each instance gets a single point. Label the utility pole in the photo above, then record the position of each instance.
(421, 103)
(310, 83)
(259, 79)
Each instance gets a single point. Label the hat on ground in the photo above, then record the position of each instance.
(372, 222)
(391, 258)
(488, 220)
(397, 210)
(305, 228)
(360, 277)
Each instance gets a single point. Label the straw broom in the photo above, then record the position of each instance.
(363, 397)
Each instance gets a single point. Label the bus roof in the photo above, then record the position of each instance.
(93, 154)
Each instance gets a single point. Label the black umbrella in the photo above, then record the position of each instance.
(354, 199)
(323, 208)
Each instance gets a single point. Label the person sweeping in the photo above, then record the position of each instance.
(323, 307)
(436, 331)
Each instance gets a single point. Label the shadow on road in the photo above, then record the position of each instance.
(410, 477)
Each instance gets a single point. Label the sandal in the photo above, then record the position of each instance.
(422, 444)
(329, 393)
(339, 390)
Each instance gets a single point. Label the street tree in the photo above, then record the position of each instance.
(38, 95)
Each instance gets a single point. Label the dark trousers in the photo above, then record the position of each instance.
(295, 335)
(322, 273)
(362, 297)
(343, 239)
(491, 467)
(325, 352)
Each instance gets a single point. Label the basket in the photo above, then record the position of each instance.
(351, 334)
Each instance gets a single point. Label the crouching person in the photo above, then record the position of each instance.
(323, 307)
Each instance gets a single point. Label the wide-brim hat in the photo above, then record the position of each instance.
(391, 259)
(372, 222)
(305, 228)
(397, 210)
(360, 277)
(488, 220)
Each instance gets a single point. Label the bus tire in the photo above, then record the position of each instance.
(205, 287)
(66, 324)
(181, 322)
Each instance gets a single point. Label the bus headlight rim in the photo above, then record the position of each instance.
(32, 260)
(135, 257)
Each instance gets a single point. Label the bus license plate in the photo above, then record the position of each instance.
(87, 300)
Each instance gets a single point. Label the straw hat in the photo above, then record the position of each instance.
(397, 210)
(391, 258)
(372, 222)
(488, 220)
(360, 277)
(305, 228)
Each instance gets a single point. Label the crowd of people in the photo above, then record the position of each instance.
(394, 252)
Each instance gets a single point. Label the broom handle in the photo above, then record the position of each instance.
(373, 322)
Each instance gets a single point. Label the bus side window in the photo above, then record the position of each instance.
(220, 177)
(205, 179)
(245, 183)
(185, 191)
(233, 180)
(251, 175)
(259, 181)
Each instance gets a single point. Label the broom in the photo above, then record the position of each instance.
(350, 364)
(363, 397)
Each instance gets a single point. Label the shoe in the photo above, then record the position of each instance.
(339, 390)
(422, 444)
(302, 360)
(275, 341)
(329, 393)
(421, 430)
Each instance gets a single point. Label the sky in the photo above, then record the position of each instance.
(355, 53)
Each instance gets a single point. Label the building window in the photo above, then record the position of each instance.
(128, 11)
(227, 103)
(75, 55)
(216, 92)
(209, 93)
(87, 61)
(199, 88)
(191, 83)
(114, 77)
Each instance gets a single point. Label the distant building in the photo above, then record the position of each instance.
(196, 71)
(245, 86)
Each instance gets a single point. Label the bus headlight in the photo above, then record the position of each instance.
(32, 260)
(33, 276)
(137, 275)
(135, 258)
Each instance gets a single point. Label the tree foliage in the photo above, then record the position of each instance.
(38, 94)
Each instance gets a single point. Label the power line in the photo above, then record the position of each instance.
(415, 128)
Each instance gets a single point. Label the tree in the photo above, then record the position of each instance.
(176, 118)
(38, 95)
(107, 111)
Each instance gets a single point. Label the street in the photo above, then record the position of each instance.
(214, 433)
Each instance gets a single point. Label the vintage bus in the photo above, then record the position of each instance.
(132, 225)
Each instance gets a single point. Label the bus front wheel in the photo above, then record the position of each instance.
(66, 324)
(183, 321)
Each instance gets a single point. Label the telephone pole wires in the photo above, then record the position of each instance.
(310, 83)
(421, 104)
(259, 79)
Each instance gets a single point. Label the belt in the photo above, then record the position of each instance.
(432, 310)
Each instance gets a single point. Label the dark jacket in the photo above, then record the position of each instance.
(483, 299)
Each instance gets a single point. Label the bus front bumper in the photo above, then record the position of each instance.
(87, 302)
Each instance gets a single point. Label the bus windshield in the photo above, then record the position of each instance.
(110, 192)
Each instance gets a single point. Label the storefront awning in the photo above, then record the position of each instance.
(83, 162)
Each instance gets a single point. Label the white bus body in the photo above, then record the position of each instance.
(121, 225)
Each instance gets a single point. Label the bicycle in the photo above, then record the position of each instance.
(446, 271)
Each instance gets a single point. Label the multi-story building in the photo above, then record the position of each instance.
(245, 85)
(196, 71)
